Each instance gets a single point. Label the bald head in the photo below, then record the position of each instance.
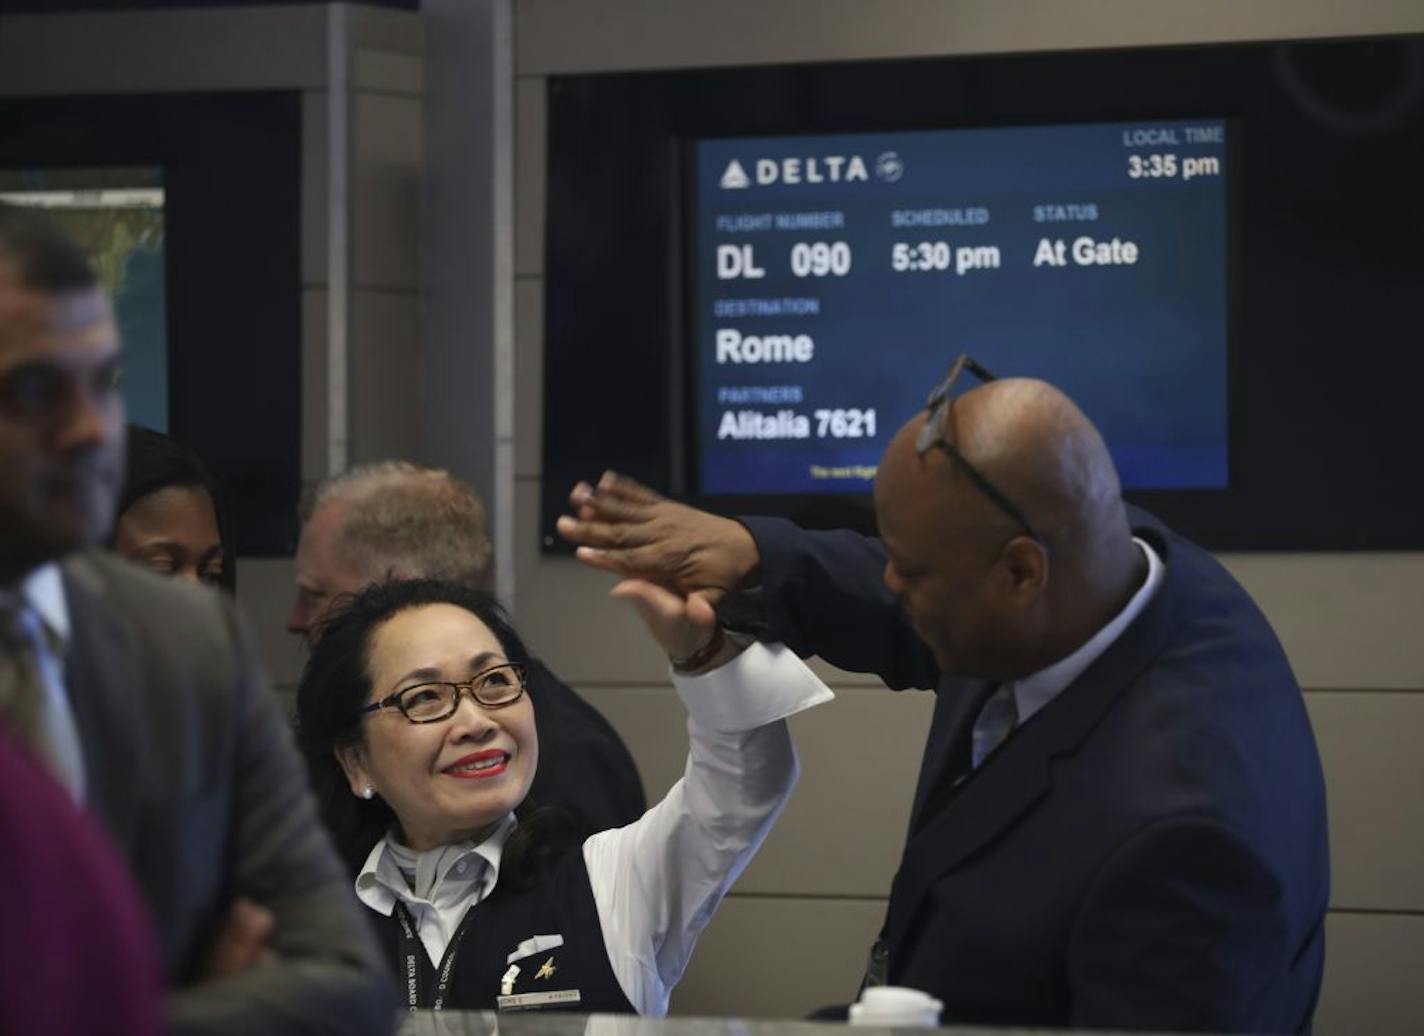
(1032, 444)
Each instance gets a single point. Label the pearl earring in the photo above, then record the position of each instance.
(368, 791)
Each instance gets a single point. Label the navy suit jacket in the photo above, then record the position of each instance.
(1146, 852)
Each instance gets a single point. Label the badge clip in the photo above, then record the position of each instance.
(506, 982)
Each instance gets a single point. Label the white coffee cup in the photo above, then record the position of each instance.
(895, 1006)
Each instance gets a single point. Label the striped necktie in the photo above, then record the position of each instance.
(33, 704)
(996, 721)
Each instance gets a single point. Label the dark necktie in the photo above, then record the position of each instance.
(960, 761)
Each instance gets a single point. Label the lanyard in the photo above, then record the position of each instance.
(413, 955)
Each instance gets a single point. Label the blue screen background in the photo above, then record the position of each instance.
(1142, 348)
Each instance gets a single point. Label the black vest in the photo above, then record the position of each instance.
(559, 902)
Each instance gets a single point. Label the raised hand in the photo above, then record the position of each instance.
(683, 626)
(625, 527)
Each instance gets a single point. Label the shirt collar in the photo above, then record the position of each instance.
(448, 870)
(43, 589)
(1034, 692)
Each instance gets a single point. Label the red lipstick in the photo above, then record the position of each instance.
(478, 765)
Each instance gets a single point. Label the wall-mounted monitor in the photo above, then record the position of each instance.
(117, 216)
(833, 275)
(753, 276)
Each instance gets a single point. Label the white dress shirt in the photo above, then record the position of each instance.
(657, 881)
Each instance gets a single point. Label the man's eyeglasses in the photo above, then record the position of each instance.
(937, 409)
(492, 688)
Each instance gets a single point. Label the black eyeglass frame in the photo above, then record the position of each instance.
(397, 700)
(931, 433)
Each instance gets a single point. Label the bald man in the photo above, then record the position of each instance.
(1120, 817)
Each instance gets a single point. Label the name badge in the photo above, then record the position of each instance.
(529, 1001)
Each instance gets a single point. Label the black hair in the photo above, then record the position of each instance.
(337, 683)
(45, 256)
(153, 461)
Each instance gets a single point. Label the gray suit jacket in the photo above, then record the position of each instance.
(192, 770)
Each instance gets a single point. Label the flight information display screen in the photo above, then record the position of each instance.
(836, 278)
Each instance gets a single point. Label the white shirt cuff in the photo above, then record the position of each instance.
(757, 687)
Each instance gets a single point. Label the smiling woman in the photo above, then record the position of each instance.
(448, 771)
(422, 746)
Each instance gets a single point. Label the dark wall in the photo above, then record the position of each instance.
(232, 175)
(1325, 293)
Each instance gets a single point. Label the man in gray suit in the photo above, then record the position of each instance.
(143, 697)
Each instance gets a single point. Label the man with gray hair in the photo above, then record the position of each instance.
(397, 520)
(388, 518)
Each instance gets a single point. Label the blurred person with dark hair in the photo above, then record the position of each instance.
(74, 917)
(169, 520)
(422, 746)
(143, 696)
(396, 519)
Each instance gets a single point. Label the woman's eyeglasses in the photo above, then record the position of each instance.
(492, 688)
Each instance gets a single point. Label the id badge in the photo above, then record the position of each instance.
(533, 1001)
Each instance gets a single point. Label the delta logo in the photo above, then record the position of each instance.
(796, 170)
